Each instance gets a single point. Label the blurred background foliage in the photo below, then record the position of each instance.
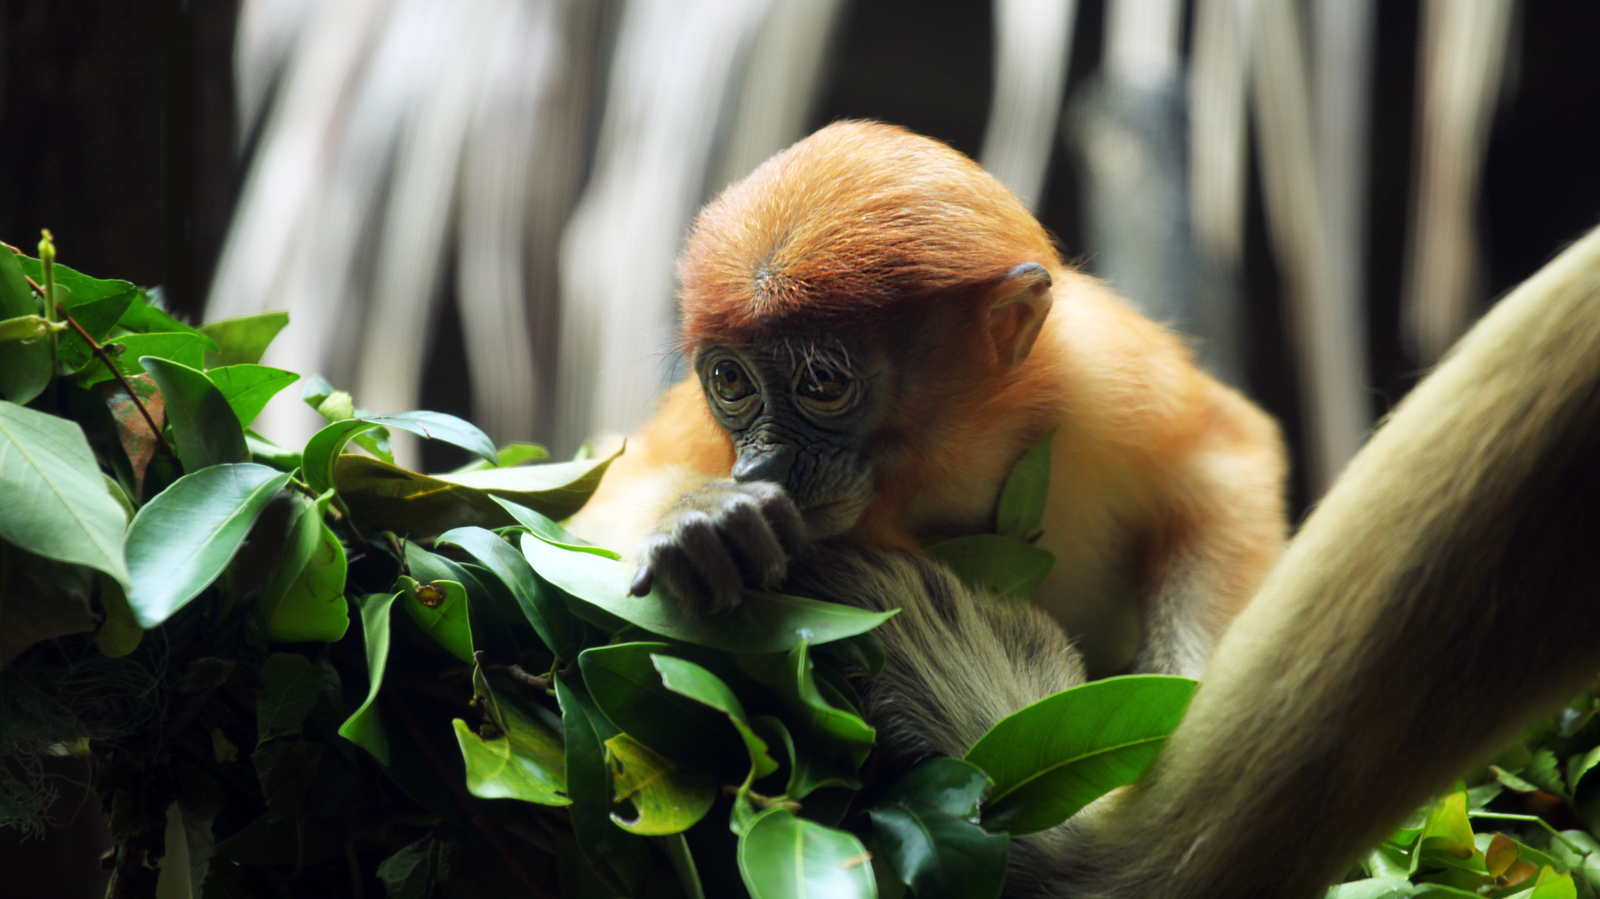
(482, 199)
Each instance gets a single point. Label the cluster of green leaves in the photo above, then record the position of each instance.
(1536, 811)
(506, 719)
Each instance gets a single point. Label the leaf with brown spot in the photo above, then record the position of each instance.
(138, 441)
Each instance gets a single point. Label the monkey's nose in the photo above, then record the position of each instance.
(770, 463)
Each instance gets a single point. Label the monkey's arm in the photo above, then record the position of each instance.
(1444, 592)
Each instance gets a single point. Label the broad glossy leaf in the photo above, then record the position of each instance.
(1005, 566)
(627, 687)
(782, 856)
(507, 456)
(364, 727)
(442, 426)
(938, 855)
(323, 450)
(764, 622)
(1052, 758)
(53, 501)
(830, 743)
(557, 490)
(1447, 828)
(550, 532)
(589, 778)
(1023, 497)
(391, 498)
(1551, 885)
(137, 438)
(186, 349)
(524, 761)
(303, 598)
(546, 612)
(242, 340)
(685, 678)
(203, 424)
(952, 786)
(249, 387)
(183, 538)
(24, 367)
(666, 799)
(440, 608)
(84, 288)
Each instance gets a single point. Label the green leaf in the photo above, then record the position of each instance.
(763, 623)
(544, 611)
(28, 327)
(782, 856)
(266, 452)
(685, 678)
(96, 318)
(364, 727)
(1022, 499)
(248, 387)
(1551, 885)
(120, 633)
(550, 532)
(440, 609)
(181, 540)
(940, 855)
(323, 450)
(1374, 888)
(290, 685)
(523, 761)
(184, 349)
(1005, 566)
(441, 426)
(84, 288)
(665, 798)
(557, 490)
(1052, 758)
(24, 367)
(53, 500)
(203, 424)
(1447, 828)
(507, 456)
(303, 598)
(952, 786)
(416, 871)
(589, 778)
(628, 688)
(829, 743)
(242, 340)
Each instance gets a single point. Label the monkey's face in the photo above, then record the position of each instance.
(799, 416)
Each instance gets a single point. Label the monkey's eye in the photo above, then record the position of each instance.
(825, 387)
(729, 380)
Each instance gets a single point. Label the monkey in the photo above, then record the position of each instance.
(878, 331)
(1443, 593)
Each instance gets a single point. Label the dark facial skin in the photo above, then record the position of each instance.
(799, 416)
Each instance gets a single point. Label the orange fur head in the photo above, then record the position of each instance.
(844, 228)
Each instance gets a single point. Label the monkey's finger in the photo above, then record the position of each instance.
(698, 538)
(782, 515)
(760, 553)
(670, 570)
(643, 579)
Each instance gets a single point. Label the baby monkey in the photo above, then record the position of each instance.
(879, 330)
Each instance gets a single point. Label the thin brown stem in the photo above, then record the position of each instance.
(103, 356)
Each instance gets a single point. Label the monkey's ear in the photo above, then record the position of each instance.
(1015, 318)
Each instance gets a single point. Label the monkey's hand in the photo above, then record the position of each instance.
(720, 539)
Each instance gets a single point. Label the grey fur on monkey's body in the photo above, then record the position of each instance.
(1445, 591)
